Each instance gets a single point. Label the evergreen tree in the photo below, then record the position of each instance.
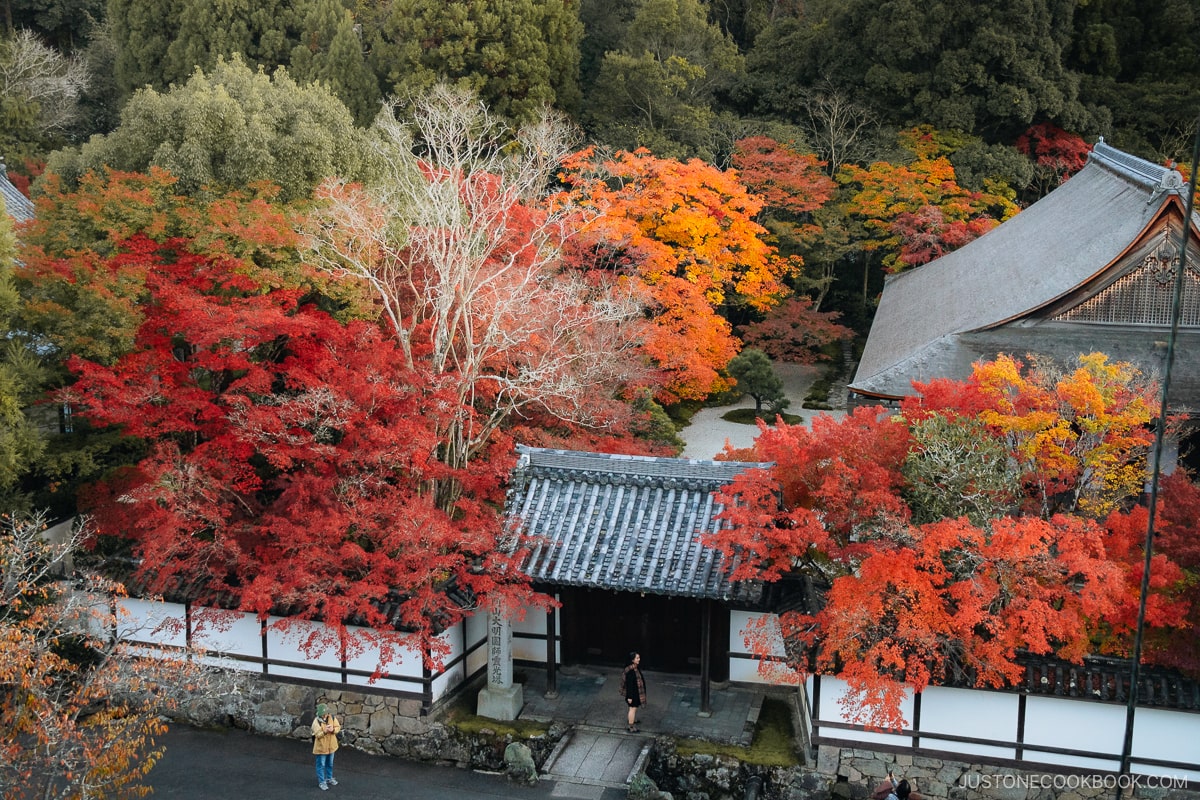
(519, 56)
(756, 377)
(991, 69)
(227, 129)
(331, 51)
(261, 31)
(64, 24)
(659, 90)
(160, 43)
(20, 375)
(141, 31)
(1141, 65)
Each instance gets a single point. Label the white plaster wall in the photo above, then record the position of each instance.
(285, 645)
(534, 622)
(229, 632)
(750, 670)
(477, 638)
(451, 675)
(531, 649)
(1078, 725)
(1165, 736)
(402, 660)
(974, 714)
(152, 622)
(833, 690)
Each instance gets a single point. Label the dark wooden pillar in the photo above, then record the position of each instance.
(705, 657)
(551, 655)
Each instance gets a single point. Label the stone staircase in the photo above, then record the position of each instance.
(589, 761)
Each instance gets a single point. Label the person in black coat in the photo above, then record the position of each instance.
(633, 688)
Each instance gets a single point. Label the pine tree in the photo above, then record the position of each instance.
(519, 56)
(756, 377)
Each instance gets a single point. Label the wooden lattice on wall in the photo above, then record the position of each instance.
(1143, 296)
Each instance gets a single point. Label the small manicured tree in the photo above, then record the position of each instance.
(756, 377)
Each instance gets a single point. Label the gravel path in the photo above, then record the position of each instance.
(708, 434)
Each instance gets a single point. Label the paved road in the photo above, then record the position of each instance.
(223, 764)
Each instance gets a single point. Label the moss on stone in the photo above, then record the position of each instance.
(773, 744)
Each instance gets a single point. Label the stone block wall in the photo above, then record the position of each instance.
(960, 780)
(374, 723)
(705, 777)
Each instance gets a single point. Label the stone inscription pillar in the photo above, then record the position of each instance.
(501, 698)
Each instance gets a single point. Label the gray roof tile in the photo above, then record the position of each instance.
(626, 523)
(18, 206)
(1059, 243)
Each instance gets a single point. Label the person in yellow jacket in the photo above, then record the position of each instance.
(325, 728)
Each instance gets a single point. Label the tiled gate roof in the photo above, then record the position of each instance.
(18, 206)
(625, 523)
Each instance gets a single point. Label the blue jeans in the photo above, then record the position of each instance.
(325, 767)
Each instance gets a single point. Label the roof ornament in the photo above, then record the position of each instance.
(1172, 180)
(1163, 261)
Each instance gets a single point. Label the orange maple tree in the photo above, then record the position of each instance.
(683, 234)
(1079, 437)
(916, 211)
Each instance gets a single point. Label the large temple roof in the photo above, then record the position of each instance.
(983, 299)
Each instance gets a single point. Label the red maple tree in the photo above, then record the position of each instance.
(795, 331)
(288, 459)
(1056, 155)
(955, 600)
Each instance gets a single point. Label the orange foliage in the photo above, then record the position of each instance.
(915, 212)
(951, 601)
(958, 603)
(684, 235)
(1079, 437)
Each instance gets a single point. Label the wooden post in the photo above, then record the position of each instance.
(705, 647)
(551, 654)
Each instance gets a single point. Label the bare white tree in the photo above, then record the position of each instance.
(460, 243)
(31, 72)
(839, 128)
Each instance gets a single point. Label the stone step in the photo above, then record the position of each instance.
(597, 758)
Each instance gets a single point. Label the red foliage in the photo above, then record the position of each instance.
(1054, 151)
(840, 483)
(793, 331)
(783, 178)
(908, 605)
(958, 601)
(288, 456)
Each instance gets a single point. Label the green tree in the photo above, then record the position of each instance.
(330, 51)
(756, 377)
(261, 31)
(64, 24)
(20, 377)
(160, 43)
(519, 56)
(39, 95)
(956, 468)
(141, 32)
(227, 129)
(661, 89)
(1140, 62)
(991, 69)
